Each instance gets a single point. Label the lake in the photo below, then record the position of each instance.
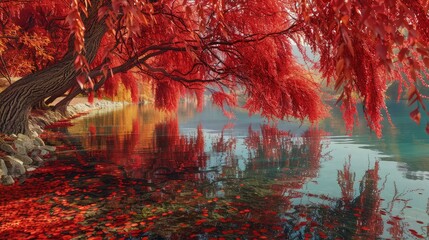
(137, 173)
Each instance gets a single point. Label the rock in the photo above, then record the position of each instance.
(23, 137)
(24, 158)
(47, 148)
(3, 168)
(39, 121)
(38, 141)
(72, 112)
(33, 135)
(7, 180)
(38, 160)
(36, 128)
(20, 148)
(30, 169)
(35, 152)
(53, 158)
(44, 152)
(7, 148)
(25, 141)
(15, 166)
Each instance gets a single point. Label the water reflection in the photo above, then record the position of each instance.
(157, 149)
(139, 175)
(404, 141)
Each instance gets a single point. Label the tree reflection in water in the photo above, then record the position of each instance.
(161, 186)
(256, 201)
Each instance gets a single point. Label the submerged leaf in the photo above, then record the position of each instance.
(427, 128)
(415, 115)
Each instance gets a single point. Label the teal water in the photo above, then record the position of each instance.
(140, 174)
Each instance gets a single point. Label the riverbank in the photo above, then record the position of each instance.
(20, 154)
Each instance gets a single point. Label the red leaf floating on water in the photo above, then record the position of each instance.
(301, 224)
(323, 235)
(416, 116)
(365, 228)
(421, 222)
(427, 128)
(209, 230)
(417, 235)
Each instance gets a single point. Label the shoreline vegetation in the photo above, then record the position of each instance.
(20, 154)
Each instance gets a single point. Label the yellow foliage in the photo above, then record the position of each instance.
(134, 119)
(123, 94)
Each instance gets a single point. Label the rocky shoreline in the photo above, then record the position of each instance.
(21, 153)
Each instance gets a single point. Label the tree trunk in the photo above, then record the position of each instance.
(17, 100)
(52, 98)
(41, 106)
(62, 105)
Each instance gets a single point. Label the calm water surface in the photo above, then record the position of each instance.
(141, 174)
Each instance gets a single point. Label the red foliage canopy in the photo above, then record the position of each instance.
(232, 49)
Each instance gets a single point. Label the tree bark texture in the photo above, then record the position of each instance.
(17, 100)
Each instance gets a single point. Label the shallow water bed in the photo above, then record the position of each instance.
(139, 173)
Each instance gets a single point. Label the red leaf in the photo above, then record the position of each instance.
(381, 51)
(314, 224)
(427, 128)
(402, 53)
(102, 11)
(416, 116)
(323, 235)
(81, 81)
(209, 230)
(426, 61)
(414, 232)
(345, 19)
(340, 66)
(91, 97)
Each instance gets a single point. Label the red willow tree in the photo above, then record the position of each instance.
(225, 48)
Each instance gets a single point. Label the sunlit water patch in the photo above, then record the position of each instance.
(142, 174)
